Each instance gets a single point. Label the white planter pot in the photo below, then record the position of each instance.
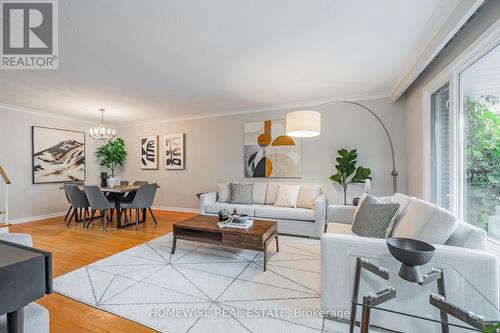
(111, 182)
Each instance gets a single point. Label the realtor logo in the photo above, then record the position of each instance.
(29, 34)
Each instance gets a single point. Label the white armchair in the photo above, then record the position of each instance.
(471, 275)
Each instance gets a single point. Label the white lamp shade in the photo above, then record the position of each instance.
(303, 124)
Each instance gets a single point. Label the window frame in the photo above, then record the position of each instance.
(436, 149)
(451, 76)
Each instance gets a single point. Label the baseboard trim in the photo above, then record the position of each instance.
(62, 213)
(177, 209)
(37, 218)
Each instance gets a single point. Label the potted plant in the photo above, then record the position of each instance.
(111, 155)
(347, 172)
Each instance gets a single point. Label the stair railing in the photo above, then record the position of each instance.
(6, 181)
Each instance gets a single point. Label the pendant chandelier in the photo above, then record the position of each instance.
(101, 133)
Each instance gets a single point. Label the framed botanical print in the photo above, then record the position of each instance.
(174, 151)
(149, 152)
(58, 155)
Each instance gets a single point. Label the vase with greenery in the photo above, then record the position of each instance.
(347, 172)
(112, 154)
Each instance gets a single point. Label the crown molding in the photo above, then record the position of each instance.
(36, 112)
(251, 111)
(463, 12)
(308, 104)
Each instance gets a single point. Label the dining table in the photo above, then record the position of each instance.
(115, 193)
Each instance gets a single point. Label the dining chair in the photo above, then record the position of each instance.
(143, 200)
(67, 198)
(98, 201)
(115, 196)
(78, 200)
(130, 196)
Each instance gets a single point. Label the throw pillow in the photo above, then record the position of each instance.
(403, 201)
(287, 196)
(308, 194)
(223, 191)
(271, 192)
(241, 194)
(259, 193)
(426, 222)
(373, 217)
(361, 198)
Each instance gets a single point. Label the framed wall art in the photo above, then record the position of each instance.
(174, 152)
(58, 155)
(149, 152)
(269, 152)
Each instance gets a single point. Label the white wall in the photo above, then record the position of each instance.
(414, 138)
(29, 201)
(214, 151)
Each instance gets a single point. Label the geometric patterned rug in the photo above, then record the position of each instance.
(205, 288)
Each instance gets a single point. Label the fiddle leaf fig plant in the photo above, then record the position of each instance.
(347, 172)
(112, 154)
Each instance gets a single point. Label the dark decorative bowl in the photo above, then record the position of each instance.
(240, 218)
(411, 253)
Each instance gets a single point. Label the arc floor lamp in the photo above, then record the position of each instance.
(307, 123)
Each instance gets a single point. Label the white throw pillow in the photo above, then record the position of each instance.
(271, 193)
(308, 194)
(259, 193)
(403, 201)
(363, 196)
(426, 222)
(287, 196)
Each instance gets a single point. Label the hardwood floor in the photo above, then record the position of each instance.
(73, 247)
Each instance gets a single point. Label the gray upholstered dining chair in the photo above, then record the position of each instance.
(131, 195)
(78, 201)
(70, 209)
(143, 200)
(98, 201)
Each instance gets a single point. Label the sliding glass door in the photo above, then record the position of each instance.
(479, 143)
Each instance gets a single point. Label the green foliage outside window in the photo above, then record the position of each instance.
(482, 158)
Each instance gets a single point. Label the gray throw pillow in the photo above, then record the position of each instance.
(373, 217)
(241, 194)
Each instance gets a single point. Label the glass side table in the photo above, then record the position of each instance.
(445, 301)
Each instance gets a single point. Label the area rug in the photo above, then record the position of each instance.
(205, 288)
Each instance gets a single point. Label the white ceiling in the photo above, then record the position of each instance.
(158, 59)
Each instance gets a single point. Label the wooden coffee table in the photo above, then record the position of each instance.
(204, 229)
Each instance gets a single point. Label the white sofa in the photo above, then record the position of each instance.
(294, 221)
(461, 255)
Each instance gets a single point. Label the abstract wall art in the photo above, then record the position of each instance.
(269, 152)
(58, 155)
(149, 152)
(174, 151)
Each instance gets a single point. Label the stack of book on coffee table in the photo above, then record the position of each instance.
(236, 221)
